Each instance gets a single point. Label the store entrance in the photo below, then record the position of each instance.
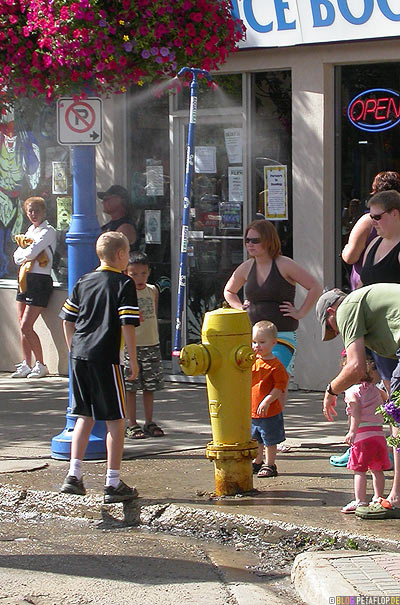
(216, 218)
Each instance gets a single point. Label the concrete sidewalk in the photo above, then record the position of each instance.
(173, 473)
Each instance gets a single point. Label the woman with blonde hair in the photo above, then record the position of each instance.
(269, 281)
(34, 256)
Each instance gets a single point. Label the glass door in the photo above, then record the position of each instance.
(216, 218)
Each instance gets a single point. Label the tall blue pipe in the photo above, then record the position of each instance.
(186, 203)
(81, 237)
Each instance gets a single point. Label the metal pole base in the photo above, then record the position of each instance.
(96, 448)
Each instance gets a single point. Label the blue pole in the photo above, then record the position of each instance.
(82, 258)
(186, 203)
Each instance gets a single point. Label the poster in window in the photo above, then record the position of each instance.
(230, 215)
(205, 159)
(154, 178)
(275, 193)
(234, 144)
(59, 178)
(235, 183)
(152, 226)
(64, 213)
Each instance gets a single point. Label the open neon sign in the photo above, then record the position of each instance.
(375, 110)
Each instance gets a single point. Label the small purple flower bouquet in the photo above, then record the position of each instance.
(391, 414)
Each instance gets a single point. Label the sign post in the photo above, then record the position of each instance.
(79, 123)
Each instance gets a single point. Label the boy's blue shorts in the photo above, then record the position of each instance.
(269, 431)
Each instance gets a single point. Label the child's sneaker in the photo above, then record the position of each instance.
(72, 485)
(22, 371)
(38, 371)
(121, 493)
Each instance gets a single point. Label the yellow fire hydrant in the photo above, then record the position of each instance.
(225, 357)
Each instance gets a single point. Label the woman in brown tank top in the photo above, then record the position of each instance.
(270, 281)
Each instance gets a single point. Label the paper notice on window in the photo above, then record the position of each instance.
(235, 183)
(152, 226)
(59, 178)
(205, 160)
(234, 144)
(275, 193)
(154, 178)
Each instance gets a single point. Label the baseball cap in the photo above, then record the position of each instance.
(114, 190)
(326, 300)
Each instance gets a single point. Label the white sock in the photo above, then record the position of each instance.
(75, 468)
(112, 477)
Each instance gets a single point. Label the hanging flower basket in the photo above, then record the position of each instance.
(59, 47)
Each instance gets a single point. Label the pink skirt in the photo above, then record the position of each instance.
(370, 453)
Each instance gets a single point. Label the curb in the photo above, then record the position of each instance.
(331, 577)
(195, 521)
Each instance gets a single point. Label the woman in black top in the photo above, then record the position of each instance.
(382, 257)
(270, 279)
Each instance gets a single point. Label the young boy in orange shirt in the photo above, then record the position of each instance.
(269, 383)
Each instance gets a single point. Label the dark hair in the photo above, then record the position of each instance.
(268, 234)
(386, 180)
(388, 200)
(139, 258)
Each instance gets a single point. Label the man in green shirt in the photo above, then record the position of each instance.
(367, 317)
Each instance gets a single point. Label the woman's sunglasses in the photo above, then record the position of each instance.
(377, 217)
(253, 240)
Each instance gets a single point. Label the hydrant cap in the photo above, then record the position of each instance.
(226, 322)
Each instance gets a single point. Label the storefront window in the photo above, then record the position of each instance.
(368, 109)
(271, 151)
(149, 188)
(32, 163)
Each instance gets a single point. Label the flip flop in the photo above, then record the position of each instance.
(352, 506)
(382, 509)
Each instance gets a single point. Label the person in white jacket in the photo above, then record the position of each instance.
(34, 256)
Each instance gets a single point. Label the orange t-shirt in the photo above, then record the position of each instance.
(267, 374)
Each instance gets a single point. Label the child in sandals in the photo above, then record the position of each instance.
(368, 448)
(150, 377)
(269, 382)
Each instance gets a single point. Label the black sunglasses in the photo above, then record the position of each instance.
(253, 240)
(377, 217)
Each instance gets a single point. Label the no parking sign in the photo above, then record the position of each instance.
(79, 122)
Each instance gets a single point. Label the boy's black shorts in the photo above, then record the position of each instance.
(98, 390)
(38, 290)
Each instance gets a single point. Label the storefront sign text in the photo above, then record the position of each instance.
(375, 110)
(290, 22)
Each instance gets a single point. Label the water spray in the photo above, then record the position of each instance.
(194, 72)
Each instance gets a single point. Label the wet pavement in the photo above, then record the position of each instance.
(176, 482)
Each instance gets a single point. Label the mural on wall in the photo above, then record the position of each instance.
(19, 163)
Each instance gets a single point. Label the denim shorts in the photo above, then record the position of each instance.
(269, 431)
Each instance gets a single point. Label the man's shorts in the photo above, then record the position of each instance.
(39, 288)
(98, 390)
(151, 373)
(269, 431)
(384, 365)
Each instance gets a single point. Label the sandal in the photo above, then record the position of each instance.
(352, 506)
(153, 430)
(268, 470)
(135, 432)
(256, 467)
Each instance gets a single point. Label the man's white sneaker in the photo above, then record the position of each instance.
(38, 371)
(22, 371)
